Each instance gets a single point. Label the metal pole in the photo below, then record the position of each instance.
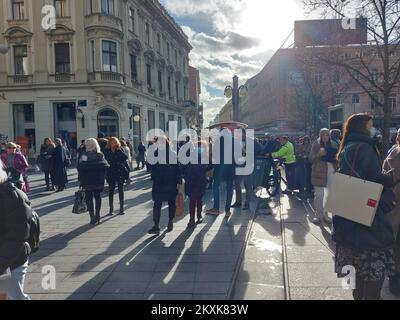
(235, 98)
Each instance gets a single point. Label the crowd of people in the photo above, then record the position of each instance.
(310, 165)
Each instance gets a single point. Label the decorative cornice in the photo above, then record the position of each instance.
(135, 46)
(161, 64)
(17, 35)
(150, 56)
(170, 69)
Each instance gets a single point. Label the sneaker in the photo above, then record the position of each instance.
(316, 221)
(170, 226)
(154, 230)
(199, 221)
(213, 211)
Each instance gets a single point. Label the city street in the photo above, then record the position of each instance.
(119, 260)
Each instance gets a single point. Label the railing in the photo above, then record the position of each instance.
(62, 77)
(20, 79)
(106, 76)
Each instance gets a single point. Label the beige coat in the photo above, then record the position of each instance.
(319, 171)
(393, 162)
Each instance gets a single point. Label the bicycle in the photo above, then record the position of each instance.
(274, 180)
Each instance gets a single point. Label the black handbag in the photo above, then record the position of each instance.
(80, 205)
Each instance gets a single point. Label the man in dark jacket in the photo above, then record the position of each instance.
(15, 213)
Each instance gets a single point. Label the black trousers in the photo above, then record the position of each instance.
(195, 203)
(157, 211)
(96, 195)
(368, 290)
(47, 178)
(111, 190)
(290, 170)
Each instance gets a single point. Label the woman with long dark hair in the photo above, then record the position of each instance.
(368, 249)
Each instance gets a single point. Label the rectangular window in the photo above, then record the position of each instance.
(109, 50)
(92, 50)
(179, 124)
(18, 9)
(393, 103)
(162, 121)
(24, 124)
(132, 19)
(158, 43)
(62, 58)
(133, 68)
(66, 111)
(160, 82)
(355, 98)
(21, 60)
(151, 119)
(91, 8)
(168, 51)
(176, 57)
(147, 32)
(61, 10)
(177, 89)
(374, 101)
(184, 64)
(169, 87)
(107, 7)
(185, 92)
(148, 72)
(318, 78)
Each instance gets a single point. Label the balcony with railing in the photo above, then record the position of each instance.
(20, 79)
(62, 77)
(98, 20)
(107, 82)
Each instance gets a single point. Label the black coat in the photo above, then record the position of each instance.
(196, 179)
(46, 154)
(92, 170)
(59, 172)
(367, 166)
(15, 214)
(165, 178)
(119, 168)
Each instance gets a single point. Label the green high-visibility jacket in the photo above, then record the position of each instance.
(286, 152)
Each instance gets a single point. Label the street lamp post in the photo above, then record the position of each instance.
(235, 92)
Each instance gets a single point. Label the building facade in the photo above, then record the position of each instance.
(293, 92)
(120, 67)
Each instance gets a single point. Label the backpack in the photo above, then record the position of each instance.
(34, 232)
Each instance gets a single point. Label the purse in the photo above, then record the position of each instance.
(80, 205)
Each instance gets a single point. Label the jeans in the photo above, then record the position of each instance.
(112, 185)
(248, 184)
(157, 211)
(218, 177)
(89, 201)
(290, 169)
(14, 287)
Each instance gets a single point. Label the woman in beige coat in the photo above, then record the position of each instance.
(392, 162)
(323, 159)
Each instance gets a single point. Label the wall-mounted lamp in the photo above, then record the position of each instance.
(81, 116)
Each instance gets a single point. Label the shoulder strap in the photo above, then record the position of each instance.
(354, 159)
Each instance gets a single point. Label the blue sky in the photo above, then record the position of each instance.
(232, 37)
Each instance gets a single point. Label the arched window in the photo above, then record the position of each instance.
(108, 122)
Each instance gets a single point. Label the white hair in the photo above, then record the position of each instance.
(3, 173)
(92, 145)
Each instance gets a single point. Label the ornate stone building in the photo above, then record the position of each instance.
(120, 67)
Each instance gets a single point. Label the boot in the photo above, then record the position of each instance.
(394, 285)
(111, 211)
(97, 219)
(121, 210)
(170, 225)
(92, 218)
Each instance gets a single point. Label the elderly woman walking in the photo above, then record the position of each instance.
(16, 166)
(59, 164)
(46, 154)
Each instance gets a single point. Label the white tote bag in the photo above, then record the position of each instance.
(354, 199)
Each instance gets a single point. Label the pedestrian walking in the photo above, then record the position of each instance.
(392, 163)
(368, 249)
(323, 159)
(141, 157)
(92, 169)
(59, 166)
(16, 166)
(166, 180)
(195, 175)
(286, 152)
(117, 173)
(127, 151)
(15, 213)
(81, 150)
(46, 155)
